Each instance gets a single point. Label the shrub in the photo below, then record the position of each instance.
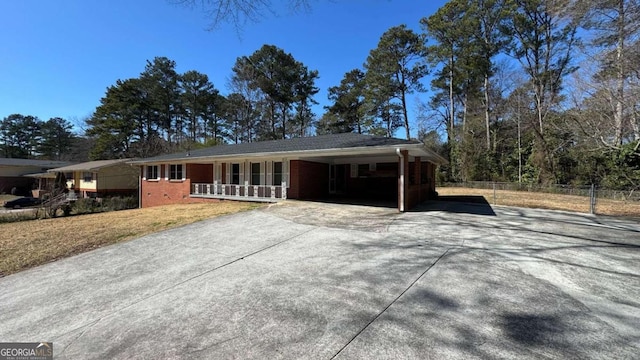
(114, 203)
(84, 206)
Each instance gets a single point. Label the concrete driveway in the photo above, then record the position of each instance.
(321, 281)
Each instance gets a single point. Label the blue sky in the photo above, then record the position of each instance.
(58, 57)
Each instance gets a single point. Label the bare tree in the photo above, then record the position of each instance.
(238, 12)
(615, 26)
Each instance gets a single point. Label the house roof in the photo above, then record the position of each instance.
(303, 145)
(90, 166)
(30, 162)
(46, 175)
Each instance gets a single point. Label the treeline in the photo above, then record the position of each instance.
(162, 110)
(522, 96)
(28, 137)
(271, 95)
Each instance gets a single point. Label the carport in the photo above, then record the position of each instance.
(400, 178)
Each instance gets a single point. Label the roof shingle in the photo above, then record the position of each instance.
(321, 142)
(90, 165)
(31, 162)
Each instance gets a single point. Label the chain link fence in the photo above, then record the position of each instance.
(589, 199)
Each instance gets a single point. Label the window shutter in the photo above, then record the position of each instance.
(228, 176)
(354, 170)
(166, 171)
(263, 168)
(184, 172)
(241, 173)
(144, 172)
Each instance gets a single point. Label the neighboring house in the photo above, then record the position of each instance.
(43, 183)
(348, 166)
(101, 178)
(13, 171)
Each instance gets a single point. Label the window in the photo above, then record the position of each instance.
(255, 173)
(175, 172)
(277, 173)
(88, 176)
(363, 170)
(152, 172)
(235, 174)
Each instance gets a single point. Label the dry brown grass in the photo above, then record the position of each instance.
(548, 201)
(30, 243)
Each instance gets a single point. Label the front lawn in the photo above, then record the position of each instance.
(31, 243)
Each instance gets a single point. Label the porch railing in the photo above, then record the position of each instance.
(246, 191)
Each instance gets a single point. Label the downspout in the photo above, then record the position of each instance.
(401, 178)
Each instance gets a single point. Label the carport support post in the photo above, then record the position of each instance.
(402, 183)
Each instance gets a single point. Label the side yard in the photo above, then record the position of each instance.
(31, 243)
(547, 201)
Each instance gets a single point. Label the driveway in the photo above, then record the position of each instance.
(321, 281)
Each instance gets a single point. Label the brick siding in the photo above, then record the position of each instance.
(309, 180)
(166, 192)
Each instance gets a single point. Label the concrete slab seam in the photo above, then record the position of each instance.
(391, 303)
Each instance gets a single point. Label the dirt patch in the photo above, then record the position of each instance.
(548, 201)
(30, 243)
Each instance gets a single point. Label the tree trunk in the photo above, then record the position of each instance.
(465, 109)
(486, 110)
(273, 119)
(635, 124)
(539, 112)
(284, 122)
(619, 113)
(450, 134)
(405, 114)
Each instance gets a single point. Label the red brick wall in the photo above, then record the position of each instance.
(200, 173)
(309, 180)
(293, 192)
(166, 192)
(419, 192)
